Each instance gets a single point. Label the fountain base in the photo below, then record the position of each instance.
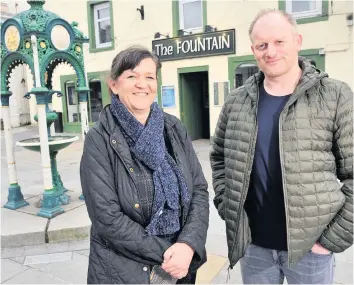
(15, 198)
(50, 205)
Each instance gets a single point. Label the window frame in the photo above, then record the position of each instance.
(91, 26)
(96, 21)
(71, 84)
(181, 15)
(323, 16)
(305, 14)
(242, 65)
(72, 78)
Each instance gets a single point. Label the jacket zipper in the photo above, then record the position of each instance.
(282, 178)
(249, 166)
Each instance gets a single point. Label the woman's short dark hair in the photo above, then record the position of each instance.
(130, 58)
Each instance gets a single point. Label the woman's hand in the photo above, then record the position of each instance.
(177, 259)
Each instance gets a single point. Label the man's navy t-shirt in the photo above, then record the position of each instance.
(264, 204)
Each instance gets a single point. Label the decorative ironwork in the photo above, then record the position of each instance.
(16, 50)
(78, 33)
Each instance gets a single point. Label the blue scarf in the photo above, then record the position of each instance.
(147, 144)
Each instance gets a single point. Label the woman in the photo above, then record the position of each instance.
(144, 188)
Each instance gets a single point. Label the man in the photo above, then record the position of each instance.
(282, 142)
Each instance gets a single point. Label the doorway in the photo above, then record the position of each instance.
(194, 102)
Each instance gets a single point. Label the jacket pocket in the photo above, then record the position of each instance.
(104, 253)
(241, 239)
(320, 254)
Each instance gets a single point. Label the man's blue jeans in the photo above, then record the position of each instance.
(266, 266)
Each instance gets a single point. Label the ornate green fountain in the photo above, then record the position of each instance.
(42, 40)
(56, 143)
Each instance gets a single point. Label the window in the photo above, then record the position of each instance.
(95, 100)
(102, 22)
(72, 103)
(243, 72)
(304, 8)
(191, 15)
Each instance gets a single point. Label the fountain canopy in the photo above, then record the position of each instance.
(42, 40)
(58, 41)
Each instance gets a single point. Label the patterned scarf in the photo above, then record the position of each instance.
(147, 144)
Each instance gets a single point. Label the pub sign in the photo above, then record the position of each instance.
(197, 45)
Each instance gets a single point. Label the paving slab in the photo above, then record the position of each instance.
(10, 268)
(21, 259)
(48, 258)
(346, 256)
(343, 272)
(11, 252)
(21, 229)
(228, 277)
(34, 207)
(79, 244)
(217, 245)
(73, 271)
(34, 276)
(73, 225)
(46, 248)
(85, 252)
(210, 269)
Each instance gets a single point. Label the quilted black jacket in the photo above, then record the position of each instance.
(119, 250)
(316, 148)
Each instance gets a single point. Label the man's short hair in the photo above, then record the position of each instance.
(264, 12)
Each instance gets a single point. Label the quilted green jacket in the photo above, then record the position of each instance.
(316, 150)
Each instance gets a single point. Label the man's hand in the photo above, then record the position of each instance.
(177, 259)
(319, 249)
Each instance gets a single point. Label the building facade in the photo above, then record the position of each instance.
(204, 47)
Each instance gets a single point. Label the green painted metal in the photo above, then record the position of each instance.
(193, 69)
(83, 93)
(15, 198)
(50, 205)
(235, 61)
(40, 22)
(56, 143)
(187, 100)
(5, 99)
(175, 17)
(58, 185)
(102, 76)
